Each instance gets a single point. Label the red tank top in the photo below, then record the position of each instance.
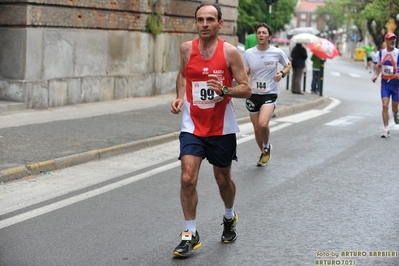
(205, 113)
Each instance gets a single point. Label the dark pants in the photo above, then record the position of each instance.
(315, 80)
(297, 79)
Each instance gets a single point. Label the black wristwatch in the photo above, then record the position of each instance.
(282, 74)
(225, 90)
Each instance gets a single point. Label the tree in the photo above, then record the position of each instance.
(254, 11)
(381, 17)
(368, 16)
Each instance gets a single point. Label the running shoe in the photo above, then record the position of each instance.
(229, 229)
(265, 156)
(396, 118)
(385, 134)
(187, 244)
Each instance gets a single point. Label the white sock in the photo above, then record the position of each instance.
(229, 213)
(267, 146)
(191, 226)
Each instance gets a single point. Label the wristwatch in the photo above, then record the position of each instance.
(282, 74)
(225, 90)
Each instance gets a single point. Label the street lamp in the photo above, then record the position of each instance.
(269, 10)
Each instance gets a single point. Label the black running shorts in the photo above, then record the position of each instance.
(255, 102)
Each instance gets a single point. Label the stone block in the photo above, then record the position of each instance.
(142, 52)
(74, 91)
(119, 52)
(12, 91)
(58, 93)
(90, 90)
(58, 47)
(121, 87)
(107, 88)
(12, 53)
(140, 85)
(165, 83)
(34, 54)
(36, 95)
(90, 53)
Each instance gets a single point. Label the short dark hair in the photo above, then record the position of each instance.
(219, 10)
(263, 24)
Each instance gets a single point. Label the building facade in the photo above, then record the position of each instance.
(65, 52)
(304, 13)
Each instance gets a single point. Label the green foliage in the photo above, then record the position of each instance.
(254, 11)
(367, 15)
(154, 23)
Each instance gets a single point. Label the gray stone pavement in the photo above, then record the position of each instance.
(36, 142)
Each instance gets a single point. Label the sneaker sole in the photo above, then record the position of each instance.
(177, 254)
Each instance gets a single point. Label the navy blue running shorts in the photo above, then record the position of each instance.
(255, 102)
(218, 150)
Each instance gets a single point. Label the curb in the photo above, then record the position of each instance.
(22, 171)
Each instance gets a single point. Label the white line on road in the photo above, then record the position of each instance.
(353, 75)
(334, 103)
(297, 118)
(63, 203)
(66, 202)
(343, 121)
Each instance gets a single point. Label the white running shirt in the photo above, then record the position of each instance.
(263, 66)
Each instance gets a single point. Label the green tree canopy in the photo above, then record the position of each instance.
(367, 16)
(254, 11)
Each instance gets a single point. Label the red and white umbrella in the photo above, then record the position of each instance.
(323, 49)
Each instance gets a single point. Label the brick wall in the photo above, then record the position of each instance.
(63, 52)
(177, 16)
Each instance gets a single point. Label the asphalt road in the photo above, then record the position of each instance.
(329, 195)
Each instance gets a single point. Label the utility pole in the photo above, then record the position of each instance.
(269, 11)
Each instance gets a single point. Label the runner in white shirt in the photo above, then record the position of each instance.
(262, 62)
(375, 58)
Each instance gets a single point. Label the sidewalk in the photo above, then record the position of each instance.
(39, 141)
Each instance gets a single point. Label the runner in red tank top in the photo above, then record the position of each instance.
(204, 95)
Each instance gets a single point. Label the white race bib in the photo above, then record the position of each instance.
(387, 70)
(203, 97)
(261, 85)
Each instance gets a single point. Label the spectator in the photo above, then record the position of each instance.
(298, 60)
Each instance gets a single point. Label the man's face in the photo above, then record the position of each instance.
(207, 22)
(391, 42)
(262, 35)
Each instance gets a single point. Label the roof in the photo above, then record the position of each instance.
(309, 6)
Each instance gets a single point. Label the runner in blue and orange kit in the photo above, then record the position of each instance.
(388, 65)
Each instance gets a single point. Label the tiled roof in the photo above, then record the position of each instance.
(309, 6)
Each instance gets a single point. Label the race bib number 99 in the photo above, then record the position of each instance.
(203, 97)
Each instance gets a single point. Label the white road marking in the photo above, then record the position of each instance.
(297, 118)
(87, 167)
(334, 103)
(63, 203)
(343, 121)
(353, 75)
(336, 74)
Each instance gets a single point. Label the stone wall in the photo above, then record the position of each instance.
(61, 52)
